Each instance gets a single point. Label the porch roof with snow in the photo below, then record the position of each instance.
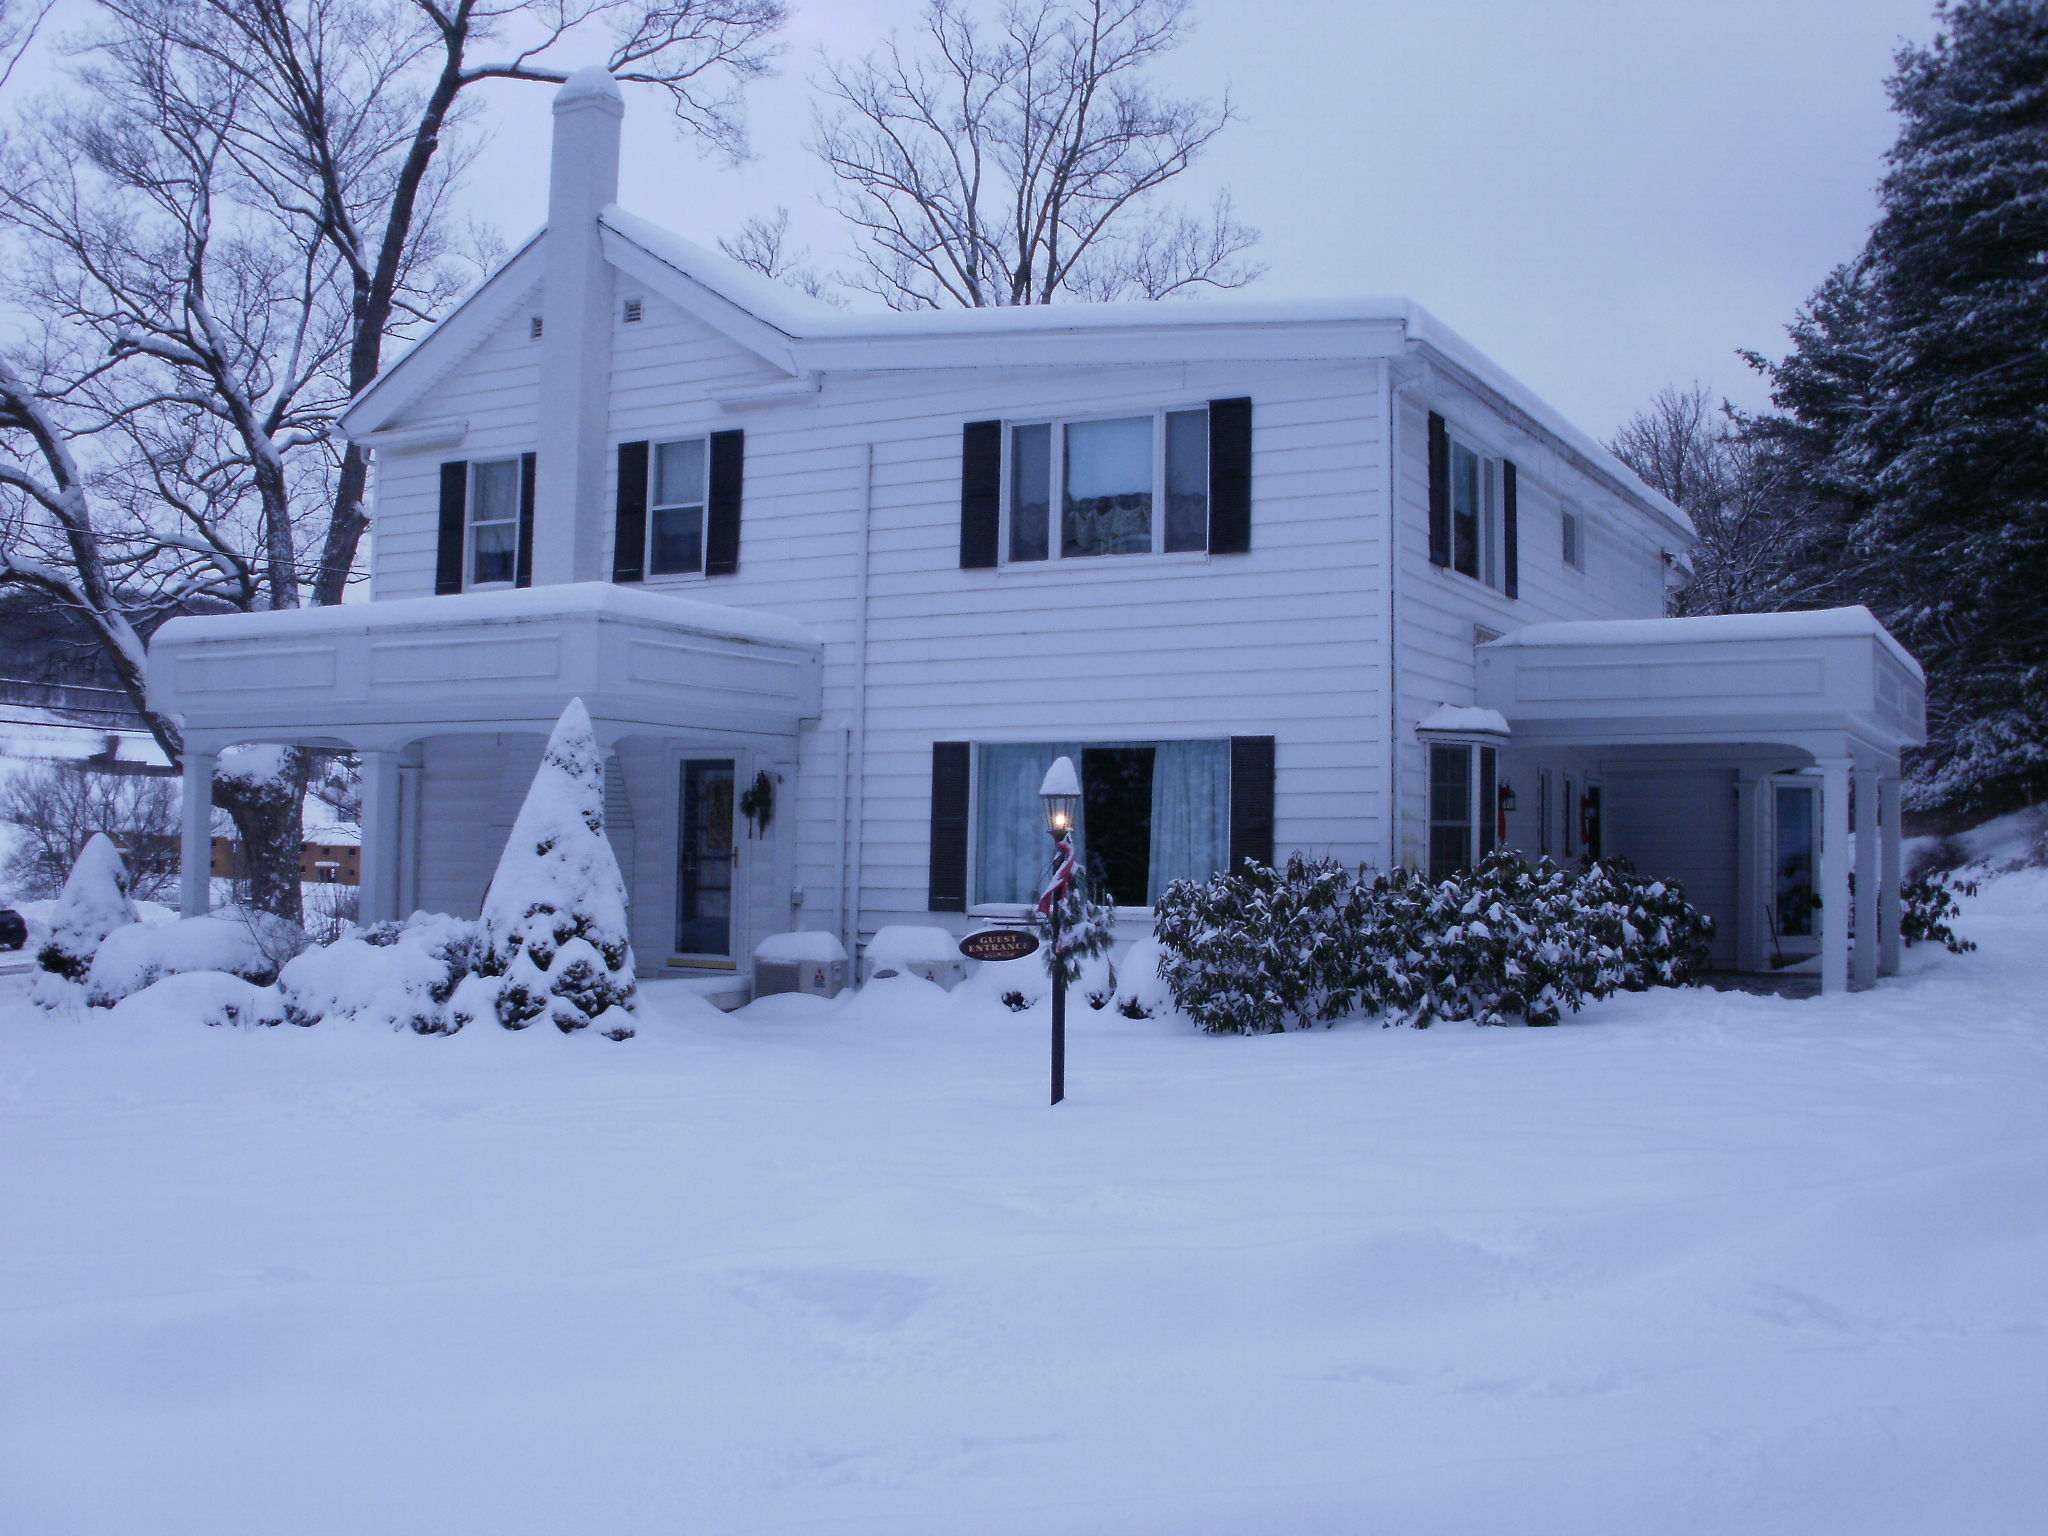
(1826, 681)
(377, 675)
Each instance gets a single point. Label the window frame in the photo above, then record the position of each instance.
(703, 505)
(1482, 799)
(1056, 486)
(470, 525)
(1016, 909)
(1491, 558)
(1573, 538)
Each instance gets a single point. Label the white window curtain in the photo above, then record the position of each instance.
(1190, 812)
(1012, 852)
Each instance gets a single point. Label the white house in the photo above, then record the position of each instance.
(1308, 576)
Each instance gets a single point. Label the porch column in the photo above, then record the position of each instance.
(1834, 874)
(378, 901)
(410, 778)
(1867, 881)
(1750, 946)
(1889, 875)
(195, 844)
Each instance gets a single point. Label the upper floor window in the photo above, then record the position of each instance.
(1475, 514)
(1574, 542)
(493, 522)
(675, 508)
(1120, 485)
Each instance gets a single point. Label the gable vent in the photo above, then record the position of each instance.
(533, 325)
(630, 312)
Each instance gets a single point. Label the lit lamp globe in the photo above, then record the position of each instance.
(1061, 793)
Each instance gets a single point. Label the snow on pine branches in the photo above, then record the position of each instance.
(1254, 951)
(553, 941)
(93, 904)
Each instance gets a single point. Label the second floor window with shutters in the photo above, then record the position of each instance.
(493, 523)
(1092, 486)
(1475, 515)
(675, 508)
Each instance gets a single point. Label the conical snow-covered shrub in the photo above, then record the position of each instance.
(553, 934)
(94, 903)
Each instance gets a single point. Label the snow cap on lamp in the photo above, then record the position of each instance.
(1061, 793)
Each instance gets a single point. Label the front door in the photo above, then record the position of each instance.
(706, 853)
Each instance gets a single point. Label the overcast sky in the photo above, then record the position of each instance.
(1604, 195)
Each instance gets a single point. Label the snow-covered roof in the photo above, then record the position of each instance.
(1463, 720)
(413, 613)
(1806, 624)
(800, 335)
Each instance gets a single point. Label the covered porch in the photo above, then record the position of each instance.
(1723, 750)
(448, 702)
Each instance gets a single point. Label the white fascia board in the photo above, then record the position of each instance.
(428, 434)
(435, 355)
(695, 298)
(1196, 341)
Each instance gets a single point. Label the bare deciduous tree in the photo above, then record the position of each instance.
(1019, 163)
(763, 244)
(246, 202)
(1693, 452)
(55, 808)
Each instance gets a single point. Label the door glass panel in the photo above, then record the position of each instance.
(1794, 900)
(705, 854)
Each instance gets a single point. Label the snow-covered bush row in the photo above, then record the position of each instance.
(1253, 951)
(254, 946)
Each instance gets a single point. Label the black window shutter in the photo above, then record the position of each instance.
(1510, 532)
(1230, 476)
(981, 495)
(1251, 800)
(951, 762)
(454, 508)
(1439, 491)
(523, 572)
(629, 530)
(722, 517)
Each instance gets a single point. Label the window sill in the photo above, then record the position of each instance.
(1017, 912)
(1123, 565)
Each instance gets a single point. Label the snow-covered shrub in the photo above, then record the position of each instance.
(1142, 993)
(213, 998)
(94, 903)
(395, 975)
(252, 945)
(1246, 953)
(1926, 907)
(553, 932)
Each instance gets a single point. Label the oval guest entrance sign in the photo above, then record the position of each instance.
(999, 944)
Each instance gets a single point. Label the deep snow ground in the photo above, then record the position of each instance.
(1693, 1262)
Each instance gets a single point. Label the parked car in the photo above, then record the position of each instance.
(13, 929)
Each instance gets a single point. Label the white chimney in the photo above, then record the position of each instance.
(576, 334)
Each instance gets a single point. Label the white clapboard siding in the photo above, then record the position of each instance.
(1291, 640)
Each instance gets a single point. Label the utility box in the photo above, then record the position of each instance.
(811, 963)
(909, 949)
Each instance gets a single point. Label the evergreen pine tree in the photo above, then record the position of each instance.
(1912, 404)
(93, 904)
(553, 932)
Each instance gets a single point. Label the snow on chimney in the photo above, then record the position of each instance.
(576, 334)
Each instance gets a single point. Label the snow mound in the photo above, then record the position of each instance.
(393, 976)
(212, 998)
(901, 946)
(1141, 992)
(251, 945)
(800, 948)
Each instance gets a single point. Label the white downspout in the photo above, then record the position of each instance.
(857, 735)
(1394, 531)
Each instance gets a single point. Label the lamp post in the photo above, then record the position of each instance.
(1061, 793)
